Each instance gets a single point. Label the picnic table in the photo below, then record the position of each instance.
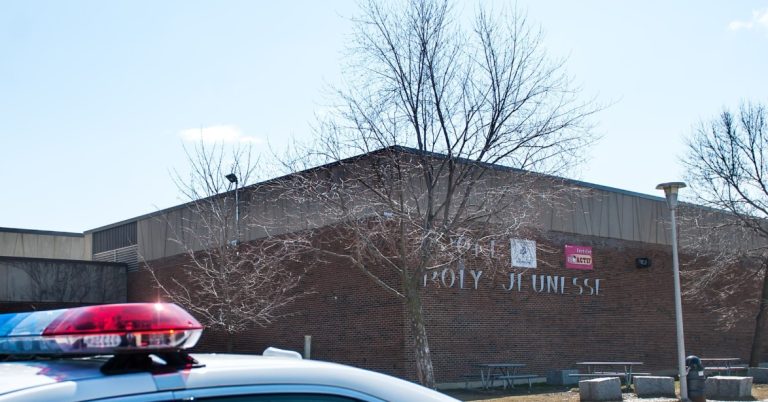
(726, 364)
(621, 369)
(507, 372)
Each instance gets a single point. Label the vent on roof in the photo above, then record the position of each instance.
(114, 238)
(127, 255)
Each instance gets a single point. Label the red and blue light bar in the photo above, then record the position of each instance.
(103, 329)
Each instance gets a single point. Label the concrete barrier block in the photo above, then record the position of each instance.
(653, 386)
(729, 387)
(600, 389)
(759, 375)
(562, 377)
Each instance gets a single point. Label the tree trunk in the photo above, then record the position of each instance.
(760, 324)
(424, 370)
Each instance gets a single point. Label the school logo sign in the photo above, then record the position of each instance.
(523, 253)
(578, 257)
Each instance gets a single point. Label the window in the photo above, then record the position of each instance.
(282, 397)
(275, 393)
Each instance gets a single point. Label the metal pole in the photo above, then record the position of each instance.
(237, 215)
(307, 346)
(678, 313)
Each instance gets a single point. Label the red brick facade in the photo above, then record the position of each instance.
(631, 317)
(350, 320)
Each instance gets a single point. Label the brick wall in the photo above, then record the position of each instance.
(350, 321)
(632, 318)
(355, 322)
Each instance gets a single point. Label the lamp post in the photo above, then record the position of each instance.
(670, 191)
(233, 179)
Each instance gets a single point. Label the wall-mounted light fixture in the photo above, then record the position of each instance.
(643, 262)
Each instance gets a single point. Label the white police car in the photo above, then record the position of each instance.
(136, 352)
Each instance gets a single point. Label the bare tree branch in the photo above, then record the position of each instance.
(227, 284)
(434, 108)
(727, 172)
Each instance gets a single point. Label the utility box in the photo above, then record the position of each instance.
(562, 377)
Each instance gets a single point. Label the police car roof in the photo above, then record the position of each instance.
(148, 343)
(81, 379)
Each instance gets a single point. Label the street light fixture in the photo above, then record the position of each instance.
(233, 179)
(670, 191)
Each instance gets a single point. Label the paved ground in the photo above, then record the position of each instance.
(544, 393)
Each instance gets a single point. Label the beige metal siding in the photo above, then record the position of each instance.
(616, 215)
(263, 211)
(583, 210)
(30, 244)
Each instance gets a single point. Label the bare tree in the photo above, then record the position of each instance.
(728, 171)
(434, 108)
(228, 284)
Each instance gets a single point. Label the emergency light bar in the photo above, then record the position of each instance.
(104, 329)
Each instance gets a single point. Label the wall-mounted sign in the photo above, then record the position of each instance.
(578, 257)
(523, 253)
(470, 279)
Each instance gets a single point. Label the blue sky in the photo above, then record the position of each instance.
(96, 96)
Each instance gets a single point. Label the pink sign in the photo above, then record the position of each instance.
(578, 257)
